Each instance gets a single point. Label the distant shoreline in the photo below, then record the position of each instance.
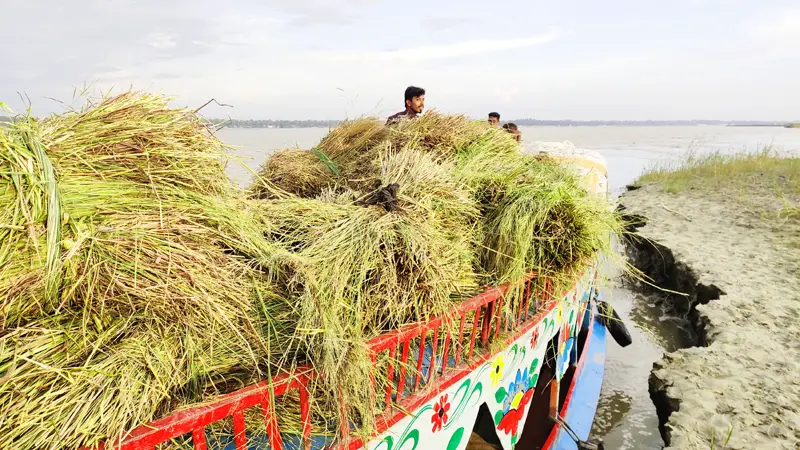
(519, 122)
(270, 123)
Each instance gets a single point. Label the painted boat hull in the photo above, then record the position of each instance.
(583, 396)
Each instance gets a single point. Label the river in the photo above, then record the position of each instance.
(626, 417)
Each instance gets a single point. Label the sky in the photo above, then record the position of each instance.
(325, 59)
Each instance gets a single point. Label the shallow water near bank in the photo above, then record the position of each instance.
(626, 417)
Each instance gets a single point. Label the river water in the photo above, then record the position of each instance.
(626, 417)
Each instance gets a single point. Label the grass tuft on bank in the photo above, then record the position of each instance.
(764, 180)
(765, 167)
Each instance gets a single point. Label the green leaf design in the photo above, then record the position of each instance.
(513, 440)
(479, 389)
(498, 416)
(387, 442)
(455, 439)
(500, 395)
(549, 324)
(413, 435)
(534, 366)
(534, 379)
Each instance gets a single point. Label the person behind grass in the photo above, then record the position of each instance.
(494, 119)
(513, 129)
(415, 103)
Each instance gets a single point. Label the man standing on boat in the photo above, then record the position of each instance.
(415, 103)
(494, 119)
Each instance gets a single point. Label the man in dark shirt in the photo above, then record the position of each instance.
(415, 103)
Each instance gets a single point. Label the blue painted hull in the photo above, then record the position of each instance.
(586, 392)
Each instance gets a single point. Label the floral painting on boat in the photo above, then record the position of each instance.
(505, 382)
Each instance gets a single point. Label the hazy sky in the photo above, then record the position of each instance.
(325, 59)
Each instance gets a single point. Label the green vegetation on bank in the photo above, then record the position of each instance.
(765, 171)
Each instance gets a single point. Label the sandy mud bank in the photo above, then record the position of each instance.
(739, 387)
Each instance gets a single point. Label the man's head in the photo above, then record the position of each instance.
(494, 119)
(512, 128)
(415, 99)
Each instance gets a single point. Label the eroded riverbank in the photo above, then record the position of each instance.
(739, 264)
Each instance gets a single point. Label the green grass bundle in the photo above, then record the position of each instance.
(135, 374)
(351, 148)
(361, 270)
(451, 136)
(120, 211)
(537, 216)
(295, 171)
(349, 156)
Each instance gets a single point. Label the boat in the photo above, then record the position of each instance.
(529, 379)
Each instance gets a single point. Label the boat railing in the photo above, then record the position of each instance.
(403, 392)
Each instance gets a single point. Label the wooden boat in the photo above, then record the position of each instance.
(530, 378)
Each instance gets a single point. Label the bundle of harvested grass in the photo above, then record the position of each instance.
(134, 277)
(351, 149)
(450, 136)
(537, 216)
(362, 270)
(119, 222)
(295, 171)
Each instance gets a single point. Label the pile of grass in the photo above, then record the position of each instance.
(361, 270)
(294, 171)
(134, 278)
(537, 216)
(534, 215)
(471, 210)
(131, 276)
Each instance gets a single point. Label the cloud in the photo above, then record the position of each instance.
(161, 41)
(113, 75)
(786, 28)
(436, 24)
(437, 52)
(305, 13)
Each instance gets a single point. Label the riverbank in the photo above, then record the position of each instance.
(726, 231)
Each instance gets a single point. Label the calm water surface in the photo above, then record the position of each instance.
(626, 417)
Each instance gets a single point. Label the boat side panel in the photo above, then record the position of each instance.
(505, 383)
(581, 405)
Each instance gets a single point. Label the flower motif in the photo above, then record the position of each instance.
(512, 390)
(509, 424)
(497, 370)
(565, 343)
(516, 390)
(535, 338)
(440, 410)
(524, 381)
